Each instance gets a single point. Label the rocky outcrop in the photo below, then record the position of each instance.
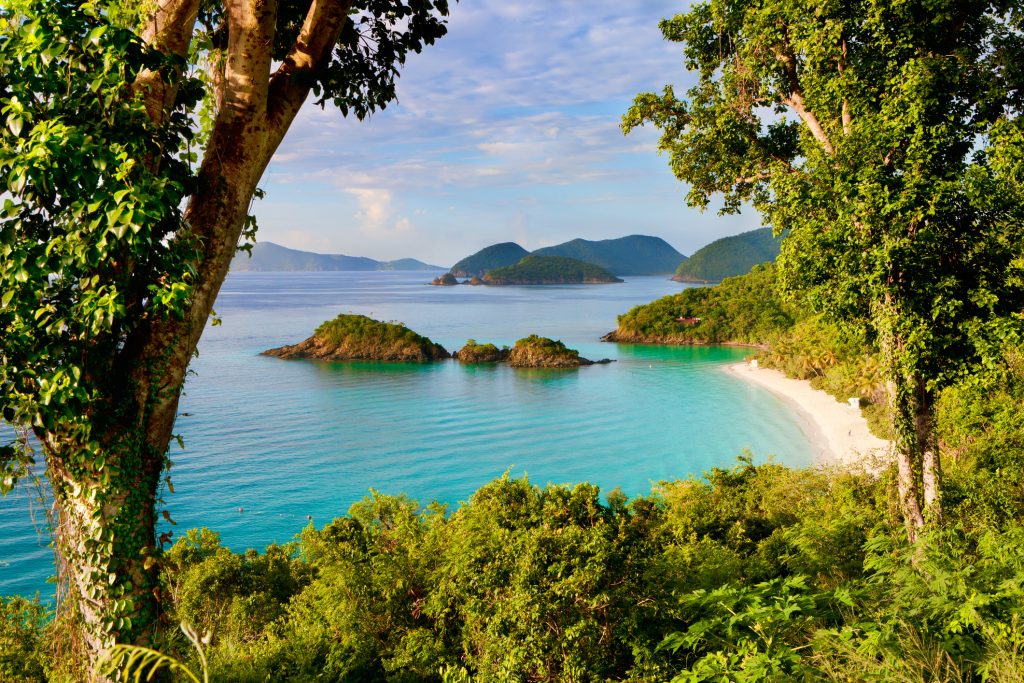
(541, 352)
(356, 337)
(446, 280)
(473, 353)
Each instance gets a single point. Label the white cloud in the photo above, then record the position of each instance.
(516, 109)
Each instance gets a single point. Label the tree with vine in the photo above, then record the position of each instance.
(133, 138)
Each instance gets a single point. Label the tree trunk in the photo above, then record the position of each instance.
(104, 535)
(106, 502)
(904, 414)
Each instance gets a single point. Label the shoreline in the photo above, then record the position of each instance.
(838, 434)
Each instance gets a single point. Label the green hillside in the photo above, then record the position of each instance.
(549, 270)
(742, 310)
(268, 257)
(729, 257)
(489, 258)
(631, 255)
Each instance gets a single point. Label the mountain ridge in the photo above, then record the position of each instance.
(269, 257)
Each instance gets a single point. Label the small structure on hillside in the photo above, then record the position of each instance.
(688, 320)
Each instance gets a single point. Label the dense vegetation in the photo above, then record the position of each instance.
(741, 310)
(489, 258)
(541, 352)
(630, 255)
(757, 572)
(357, 337)
(549, 270)
(270, 257)
(473, 352)
(729, 257)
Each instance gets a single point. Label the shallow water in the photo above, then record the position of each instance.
(286, 439)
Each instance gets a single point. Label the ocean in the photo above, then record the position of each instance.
(271, 443)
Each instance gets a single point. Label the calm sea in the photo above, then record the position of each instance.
(281, 440)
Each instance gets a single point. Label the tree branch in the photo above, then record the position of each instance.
(291, 83)
(169, 30)
(795, 101)
(251, 27)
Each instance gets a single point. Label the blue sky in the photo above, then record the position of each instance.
(506, 129)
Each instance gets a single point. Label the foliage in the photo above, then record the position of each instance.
(489, 258)
(741, 310)
(729, 257)
(23, 645)
(91, 237)
(630, 255)
(548, 270)
(889, 149)
(754, 572)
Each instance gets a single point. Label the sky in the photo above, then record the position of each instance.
(507, 129)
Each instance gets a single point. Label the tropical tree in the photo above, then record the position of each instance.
(885, 138)
(134, 137)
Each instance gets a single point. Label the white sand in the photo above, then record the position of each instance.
(838, 432)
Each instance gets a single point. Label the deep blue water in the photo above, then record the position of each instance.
(286, 439)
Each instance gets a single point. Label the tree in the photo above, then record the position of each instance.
(885, 138)
(123, 206)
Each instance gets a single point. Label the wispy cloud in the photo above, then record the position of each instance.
(512, 120)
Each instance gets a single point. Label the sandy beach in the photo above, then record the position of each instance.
(838, 432)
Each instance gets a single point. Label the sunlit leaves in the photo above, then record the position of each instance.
(91, 238)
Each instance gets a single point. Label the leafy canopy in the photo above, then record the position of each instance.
(884, 137)
(91, 238)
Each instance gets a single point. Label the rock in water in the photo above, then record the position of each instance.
(541, 352)
(356, 337)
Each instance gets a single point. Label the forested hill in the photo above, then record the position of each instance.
(489, 258)
(270, 257)
(631, 255)
(549, 270)
(729, 257)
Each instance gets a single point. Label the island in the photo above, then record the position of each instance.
(474, 353)
(549, 270)
(729, 257)
(357, 337)
(540, 352)
(489, 258)
(630, 255)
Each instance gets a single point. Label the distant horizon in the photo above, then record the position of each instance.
(455, 260)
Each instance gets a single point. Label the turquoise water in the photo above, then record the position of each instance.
(286, 439)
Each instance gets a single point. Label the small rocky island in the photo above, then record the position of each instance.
(541, 352)
(356, 337)
(473, 353)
